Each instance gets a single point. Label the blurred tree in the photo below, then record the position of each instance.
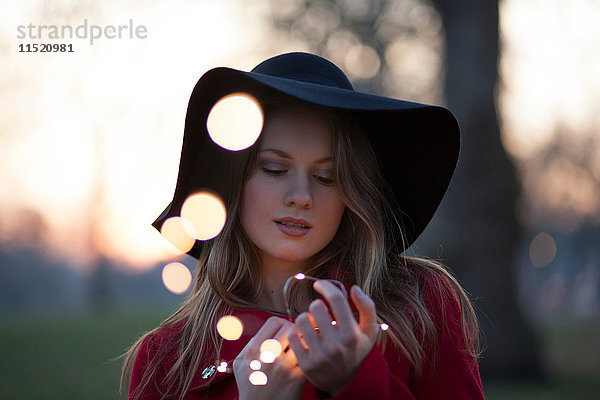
(563, 181)
(100, 291)
(396, 47)
(481, 203)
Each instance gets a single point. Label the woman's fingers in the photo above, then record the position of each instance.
(285, 378)
(303, 338)
(322, 319)
(282, 334)
(275, 327)
(366, 311)
(305, 328)
(344, 319)
(338, 303)
(297, 346)
(333, 354)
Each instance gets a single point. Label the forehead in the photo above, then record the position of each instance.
(297, 129)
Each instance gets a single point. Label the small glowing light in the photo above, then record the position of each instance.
(224, 364)
(542, 250)
(230, 327)
(384, 327)
(268, 357)
(300, 276)
(255, 365)
(235, 121)
(206, 213)
(258, 378)
(271, 345)
(222, 368)
(176, 277)
(175, 230)
(334, 322)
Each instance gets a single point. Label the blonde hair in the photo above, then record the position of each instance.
(362, 253)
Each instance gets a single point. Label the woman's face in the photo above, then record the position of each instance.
(291, 208)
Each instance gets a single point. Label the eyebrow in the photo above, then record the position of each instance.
(283, 154)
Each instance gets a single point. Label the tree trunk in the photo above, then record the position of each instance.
(477, 218)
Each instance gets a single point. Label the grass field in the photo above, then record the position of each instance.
(70, 358)
(66, 358)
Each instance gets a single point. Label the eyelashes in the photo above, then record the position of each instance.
(323, 180)
(278, 172)
(275, 172)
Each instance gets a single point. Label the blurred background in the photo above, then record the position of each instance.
(90, 144)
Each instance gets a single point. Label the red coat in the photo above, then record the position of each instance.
(381, 376)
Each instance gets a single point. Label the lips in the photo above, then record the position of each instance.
(289, 221)
(293, 226)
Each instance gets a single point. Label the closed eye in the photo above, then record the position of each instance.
(275, 172)
(324, 181)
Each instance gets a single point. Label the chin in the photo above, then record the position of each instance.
(293, 255)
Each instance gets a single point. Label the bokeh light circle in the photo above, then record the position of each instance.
(175, 230)
(230, 327)
(176, 277)
(362, 61)
(235, 121)
(258, 378)
(255, 365)
(268, 357)
(542, 250)
(206, 214)
(271, 345)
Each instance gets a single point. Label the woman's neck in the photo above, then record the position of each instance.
(275, 273)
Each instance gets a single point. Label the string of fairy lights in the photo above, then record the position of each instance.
(231, 328)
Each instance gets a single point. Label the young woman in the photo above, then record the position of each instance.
(337, 187)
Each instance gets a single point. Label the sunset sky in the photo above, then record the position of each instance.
(95, 135)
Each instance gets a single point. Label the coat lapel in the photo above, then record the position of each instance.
(252, 321)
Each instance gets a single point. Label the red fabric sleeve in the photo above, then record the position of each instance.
(375, 380)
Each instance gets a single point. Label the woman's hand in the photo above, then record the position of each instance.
(330, 357)
(285, 379)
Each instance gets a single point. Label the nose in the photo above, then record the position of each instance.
(299, 192)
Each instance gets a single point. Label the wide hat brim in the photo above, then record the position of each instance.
(417, 145)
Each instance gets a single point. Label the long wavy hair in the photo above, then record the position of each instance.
(362, 252)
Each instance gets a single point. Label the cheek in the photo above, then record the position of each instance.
(255, 199)
(333, 212)
(255, 194)
(251, 195)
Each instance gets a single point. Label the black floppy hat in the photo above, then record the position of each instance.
(417, 145)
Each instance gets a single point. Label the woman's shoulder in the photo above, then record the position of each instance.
(430, 282)
(153, 356)
(161, 337)
(157, 349)
(430, 276)
(449, 308)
